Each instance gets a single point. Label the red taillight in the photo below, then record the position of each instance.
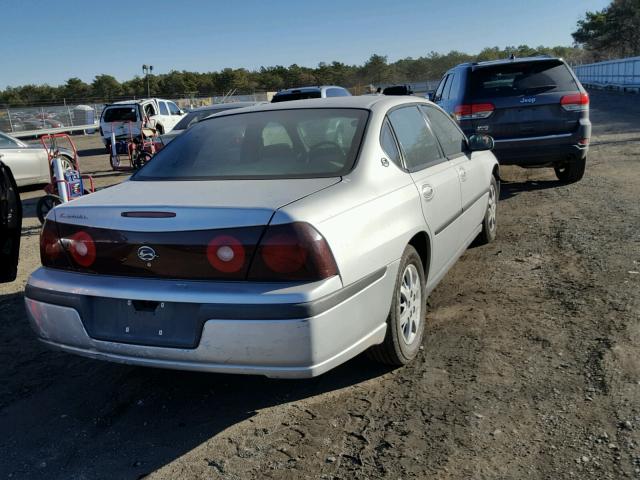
(50, 247)
(82, 248)
(575, 102)
(473, 111)
(295, 252)
(226, 254)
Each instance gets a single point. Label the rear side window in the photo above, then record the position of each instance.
(337, 92)
(440, 88)
(452, 140)
(522, 79)
(454, 91)
(418, 143)
(121, 114)
(388, 144)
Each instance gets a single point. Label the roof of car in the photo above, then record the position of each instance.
(368, 102)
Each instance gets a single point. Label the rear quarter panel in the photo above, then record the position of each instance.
(369, 217)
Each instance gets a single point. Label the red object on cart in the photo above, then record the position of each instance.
(135, 149)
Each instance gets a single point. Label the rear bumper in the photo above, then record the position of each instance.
(545, 150)
(539, 151)
(294, 331)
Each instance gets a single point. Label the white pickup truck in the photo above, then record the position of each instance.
(128, 117)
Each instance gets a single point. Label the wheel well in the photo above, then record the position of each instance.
(420, 241)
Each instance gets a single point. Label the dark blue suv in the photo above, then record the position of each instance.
(535, 109)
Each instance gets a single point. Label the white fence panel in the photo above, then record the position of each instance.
(623, 73)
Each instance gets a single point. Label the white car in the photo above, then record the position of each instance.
(28, 162)
(128, 117)
(281, 240)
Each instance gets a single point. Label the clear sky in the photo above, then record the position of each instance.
(49, 41)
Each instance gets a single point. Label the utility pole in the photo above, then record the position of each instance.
(147, 69)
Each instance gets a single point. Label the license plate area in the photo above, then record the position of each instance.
(143, 322)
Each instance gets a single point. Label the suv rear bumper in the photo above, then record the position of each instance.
(544, 150)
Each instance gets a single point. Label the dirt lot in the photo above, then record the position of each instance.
(530, 367)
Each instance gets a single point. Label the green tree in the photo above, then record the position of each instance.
(613, 31)
(106, 87)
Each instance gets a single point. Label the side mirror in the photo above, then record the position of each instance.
(429, 96)
(480, 142)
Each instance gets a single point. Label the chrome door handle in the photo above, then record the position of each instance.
(463, 174)
(427, 191)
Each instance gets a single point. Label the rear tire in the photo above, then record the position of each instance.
(572, 171)
(405, 323)
(490, 221)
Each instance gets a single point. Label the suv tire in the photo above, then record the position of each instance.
(571, 171)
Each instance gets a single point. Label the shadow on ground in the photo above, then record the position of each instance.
(510, 189)
(63, 416)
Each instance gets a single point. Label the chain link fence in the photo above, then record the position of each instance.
(32, 120)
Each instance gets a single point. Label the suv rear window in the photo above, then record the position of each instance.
(295, 95)
(521, 78)
(121, 114)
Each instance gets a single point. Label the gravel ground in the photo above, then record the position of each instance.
(530, 366)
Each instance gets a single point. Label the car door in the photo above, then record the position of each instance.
(164, 117)
(436, 180)
(24, 162)
(10, 225)
(469, 165)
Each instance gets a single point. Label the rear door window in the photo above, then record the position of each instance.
(417, 141)
(163, 108)
(522, 78)
(452, 140)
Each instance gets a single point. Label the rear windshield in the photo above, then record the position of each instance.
(299, 143)
(295, 95)
(521, 79)
(121, 114)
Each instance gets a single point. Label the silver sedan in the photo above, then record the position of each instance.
(28, 162)
(279, 240)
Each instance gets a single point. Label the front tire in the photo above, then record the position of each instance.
(405, 323)
(572, 171)
(490, 221)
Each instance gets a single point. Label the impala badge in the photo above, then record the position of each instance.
(147, 254)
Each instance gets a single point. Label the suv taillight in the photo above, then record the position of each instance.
(473, 111)
(576, 102)
(293, 252)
